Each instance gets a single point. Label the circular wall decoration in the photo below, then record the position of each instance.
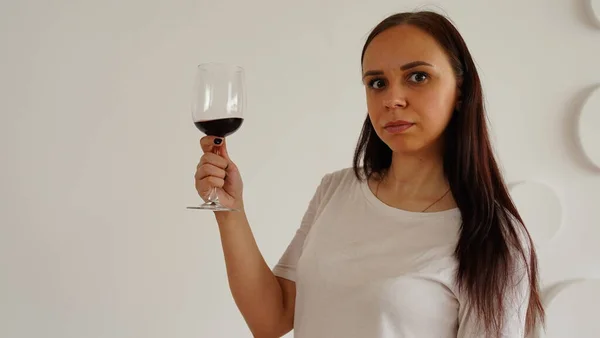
(595, 11)
(589, 127)
(571, 309)
(540, 208)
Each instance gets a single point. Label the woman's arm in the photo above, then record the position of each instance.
(265, 301)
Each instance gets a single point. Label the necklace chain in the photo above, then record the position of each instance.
(439, 199)
(432, 204)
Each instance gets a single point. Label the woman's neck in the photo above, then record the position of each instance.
(413, 175)
(414, 181)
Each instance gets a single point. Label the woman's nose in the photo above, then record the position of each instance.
(396, 98)
(395, 102)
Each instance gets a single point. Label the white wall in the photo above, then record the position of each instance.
(99, 150)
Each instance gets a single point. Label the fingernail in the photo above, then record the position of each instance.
(218, 141)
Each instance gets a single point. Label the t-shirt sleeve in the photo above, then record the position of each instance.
(286, 267)
(516, 302)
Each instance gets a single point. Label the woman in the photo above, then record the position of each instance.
(420, 238)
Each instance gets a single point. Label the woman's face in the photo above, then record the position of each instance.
(411, 89)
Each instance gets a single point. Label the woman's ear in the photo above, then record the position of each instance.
(458, 103)
(459, 93)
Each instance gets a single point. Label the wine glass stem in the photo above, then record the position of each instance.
(213, 197)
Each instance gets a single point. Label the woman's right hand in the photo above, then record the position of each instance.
(218, 171)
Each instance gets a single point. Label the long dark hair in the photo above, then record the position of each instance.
(492, 231)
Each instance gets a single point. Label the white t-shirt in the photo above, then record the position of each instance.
(366, 270)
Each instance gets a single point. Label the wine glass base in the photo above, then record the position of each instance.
(213, 206)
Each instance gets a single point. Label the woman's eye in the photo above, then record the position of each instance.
(376, 83)
(419, 77)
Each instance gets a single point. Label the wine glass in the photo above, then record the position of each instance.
(217, 109)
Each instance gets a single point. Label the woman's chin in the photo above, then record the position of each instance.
(403, 148)
(408, 148)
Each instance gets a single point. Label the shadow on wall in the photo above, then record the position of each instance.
(564, 293)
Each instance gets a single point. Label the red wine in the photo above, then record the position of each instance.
(220, 127)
